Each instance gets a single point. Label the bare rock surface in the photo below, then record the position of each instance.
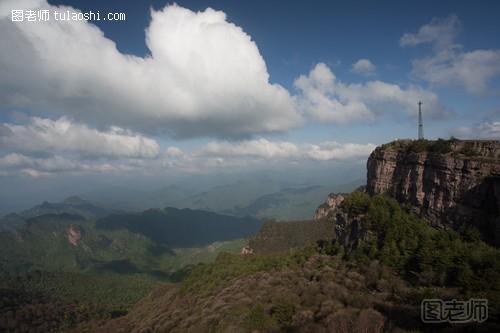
(449, 183)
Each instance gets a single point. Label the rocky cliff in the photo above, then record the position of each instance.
(450, 183)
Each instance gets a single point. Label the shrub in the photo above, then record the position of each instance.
(468, 150)
(259, 319)
(418, 146)
(405, 242)
(356, 203)
(283, 311)
(205, 278)
(440, 146)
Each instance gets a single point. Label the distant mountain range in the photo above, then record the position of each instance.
(72, 205)
(262, 198)
(60, 240)
(291, 203)
(181, 227)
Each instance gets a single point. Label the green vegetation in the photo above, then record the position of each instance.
(152, 242)
(298, 291)
(376, 285)
(181, 227)
(423, 254)
(275, 237)
(207, 278)
(259, 319)
(62, 270)
(280, 317)
(115, 292)
(55, 301)
(439, 146)
(459, 148)
(468, 150)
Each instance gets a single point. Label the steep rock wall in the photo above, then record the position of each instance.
(449, 183)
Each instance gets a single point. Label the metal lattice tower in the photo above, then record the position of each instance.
(420, 122)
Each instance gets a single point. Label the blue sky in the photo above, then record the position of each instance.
(292, 37)
(243, 86)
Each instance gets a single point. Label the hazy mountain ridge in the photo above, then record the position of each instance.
(295, 203)
(71, 205)
(261, 197)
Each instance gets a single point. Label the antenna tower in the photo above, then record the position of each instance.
(420, 122)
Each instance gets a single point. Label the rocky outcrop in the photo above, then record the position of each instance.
(332, 202)
(347, 230)
(450, 183)
(246, 250)
(74, 234)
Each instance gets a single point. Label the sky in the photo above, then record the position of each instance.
(215, 87)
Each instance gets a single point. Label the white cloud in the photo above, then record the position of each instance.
(36, 167)
(484, 130)
(63, 135)
(327, 99)
(450, 65)
(174, 152)
(364, 67)
(205, 75)
(262, 148)
(15, 160)
(471, 70)
(332, 150)
(236, 155)
(279, 150)
(439, 32)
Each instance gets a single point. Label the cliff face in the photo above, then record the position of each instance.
(449, 183)
(331, 204)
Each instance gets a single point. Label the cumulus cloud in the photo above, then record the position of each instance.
(63, 135)
(450, 64)
(327, 99)
(204, 77)
(364, 67)
(484, 130)
(267, 150)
